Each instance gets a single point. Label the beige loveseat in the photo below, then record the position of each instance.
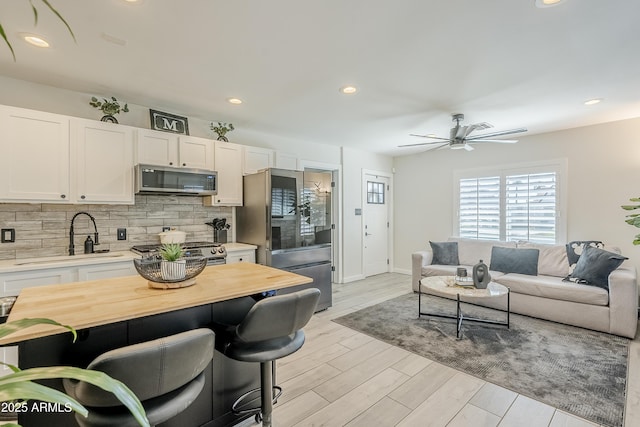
(546, 295)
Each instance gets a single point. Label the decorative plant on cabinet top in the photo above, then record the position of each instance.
(109, 108)
(222, 130)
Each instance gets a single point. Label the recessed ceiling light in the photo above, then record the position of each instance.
(348, 90)
(593, 101)
(235, 101)
(35, 40)
(548, 3)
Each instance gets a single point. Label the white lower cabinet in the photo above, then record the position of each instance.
(241, 256)
(106, 271)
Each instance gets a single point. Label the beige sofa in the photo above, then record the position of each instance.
(546, 295)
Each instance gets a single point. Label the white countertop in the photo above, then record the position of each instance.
(65, 261)
(236, 246)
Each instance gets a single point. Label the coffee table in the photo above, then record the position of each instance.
(447, 285)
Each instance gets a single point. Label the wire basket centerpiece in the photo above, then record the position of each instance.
(163, 274)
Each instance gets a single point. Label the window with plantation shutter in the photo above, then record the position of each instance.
(530, 211)
(479, 209)
(519, 203)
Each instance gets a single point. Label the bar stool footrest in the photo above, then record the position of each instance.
(255, 409)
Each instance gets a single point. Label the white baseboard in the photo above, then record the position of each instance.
(353, 278)
(402, 271)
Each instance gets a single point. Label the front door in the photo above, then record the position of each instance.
(376, 225)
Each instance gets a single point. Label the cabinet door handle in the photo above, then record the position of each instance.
(83, 197)
(184, 164)
(62, 196)
(170, 163)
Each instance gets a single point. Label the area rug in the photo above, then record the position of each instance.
(576, 370)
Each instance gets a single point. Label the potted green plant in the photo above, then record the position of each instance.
(633, 219)
(18, 387)
(172, 266)
(222, 130)
(109, 108)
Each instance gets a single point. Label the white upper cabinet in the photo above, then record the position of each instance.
(256, 158)
(167, 149)
(287, 161)
(35, 147)
(156, 148)
(228, 164)
(196, 153)
(103, 157)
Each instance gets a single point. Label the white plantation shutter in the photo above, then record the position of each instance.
(512, 204)
(479, 209)
(530, 207)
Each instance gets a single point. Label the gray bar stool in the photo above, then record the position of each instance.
(272, 329)
(166, 374)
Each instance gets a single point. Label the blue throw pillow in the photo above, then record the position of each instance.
(512, 260)
(595, 265)
(444, 253)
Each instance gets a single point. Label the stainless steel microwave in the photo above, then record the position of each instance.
(167, 180)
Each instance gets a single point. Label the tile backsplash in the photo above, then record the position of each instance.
(43, 229)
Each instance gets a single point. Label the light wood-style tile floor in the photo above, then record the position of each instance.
(341, 377)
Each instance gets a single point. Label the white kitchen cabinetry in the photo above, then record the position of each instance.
(35, 146)
(228, 164)
(241, 256)
(103, 156)
(256, 158)
(106, 271)
(13, 283)
(166, 149)
(287, 161)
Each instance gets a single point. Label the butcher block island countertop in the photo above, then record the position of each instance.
(99, 302)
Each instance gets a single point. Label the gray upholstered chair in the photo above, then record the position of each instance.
(166, 374)
(271, 329)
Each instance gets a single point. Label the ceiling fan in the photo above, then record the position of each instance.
(459, 136)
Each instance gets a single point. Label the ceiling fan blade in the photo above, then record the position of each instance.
(477, 126)
(428, 136)
(441, 146)
(491, 135)
(503, 141)
(421, 143)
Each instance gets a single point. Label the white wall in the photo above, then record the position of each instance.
(603, 169)
(353, 163)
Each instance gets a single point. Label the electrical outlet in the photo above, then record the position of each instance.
(8, 235)
(166, 229)
(122, 234)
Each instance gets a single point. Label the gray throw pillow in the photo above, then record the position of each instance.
(575, 249)
(444, 253)
(595, 265)
(512, 260)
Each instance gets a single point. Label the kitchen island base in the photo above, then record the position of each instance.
(225, 378)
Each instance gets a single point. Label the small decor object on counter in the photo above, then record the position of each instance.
(481, 276)
(172, 267)
(168, 269)
(222, 130)
(109, 108)
(168, 122)
(88, 245)
(172, 236)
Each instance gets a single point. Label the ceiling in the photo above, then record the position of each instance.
(414, 62)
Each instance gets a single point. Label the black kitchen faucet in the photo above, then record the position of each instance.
(71, 233)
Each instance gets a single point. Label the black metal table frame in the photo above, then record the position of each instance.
(459, 317)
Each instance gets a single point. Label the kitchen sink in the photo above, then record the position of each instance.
(67, 258)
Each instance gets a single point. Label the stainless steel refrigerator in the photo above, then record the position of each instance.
(287, 214)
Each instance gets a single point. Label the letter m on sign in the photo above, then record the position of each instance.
(169, 122)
